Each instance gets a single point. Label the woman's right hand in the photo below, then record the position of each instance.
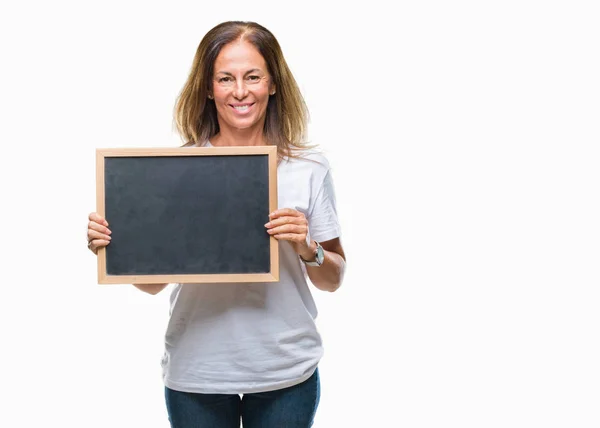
(98, 233)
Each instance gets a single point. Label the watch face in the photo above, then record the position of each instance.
(320, 254)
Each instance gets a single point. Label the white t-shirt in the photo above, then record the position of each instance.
(241, 338)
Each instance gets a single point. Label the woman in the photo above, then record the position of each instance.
(250, 351)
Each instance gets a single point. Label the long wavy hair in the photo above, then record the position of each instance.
(287, 115)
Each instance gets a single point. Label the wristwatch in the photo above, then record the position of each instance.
(319, 257)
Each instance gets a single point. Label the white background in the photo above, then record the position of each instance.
(464, 143)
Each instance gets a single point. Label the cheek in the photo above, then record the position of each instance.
(219, 95)
(263, 96)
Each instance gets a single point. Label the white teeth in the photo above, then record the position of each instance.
(241, 108)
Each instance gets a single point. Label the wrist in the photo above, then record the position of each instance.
(308, 253)
(317, 256)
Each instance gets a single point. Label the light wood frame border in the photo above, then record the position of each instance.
(271, 151)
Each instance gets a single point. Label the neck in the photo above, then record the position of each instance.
(239, 137)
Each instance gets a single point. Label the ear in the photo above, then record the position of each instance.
(272, 89)
(210, 97)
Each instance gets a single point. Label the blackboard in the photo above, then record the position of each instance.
(187, 215)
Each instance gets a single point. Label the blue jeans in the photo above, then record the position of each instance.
(292, 407)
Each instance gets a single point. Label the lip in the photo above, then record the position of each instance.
(242, 113)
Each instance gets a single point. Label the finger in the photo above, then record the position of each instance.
(288, 228)
(285, 212)
(290, 237)
(96, 244)
(93, 234)
(286, 220)
(98, 219)
(92, 225)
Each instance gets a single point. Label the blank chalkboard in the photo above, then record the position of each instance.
(187, 215)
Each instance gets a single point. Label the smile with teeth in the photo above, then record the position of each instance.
(242, 107)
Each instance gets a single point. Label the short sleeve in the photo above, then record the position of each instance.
(323, 221)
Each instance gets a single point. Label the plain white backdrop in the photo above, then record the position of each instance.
(464, 143)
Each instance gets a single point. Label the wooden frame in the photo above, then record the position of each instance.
(270, 151)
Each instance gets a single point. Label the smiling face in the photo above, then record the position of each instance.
(241, 87)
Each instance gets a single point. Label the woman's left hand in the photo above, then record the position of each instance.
(291, 225)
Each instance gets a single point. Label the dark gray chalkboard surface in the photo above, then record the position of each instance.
(187, 215)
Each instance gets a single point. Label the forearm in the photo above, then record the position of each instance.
(151, 288)
(328, 276)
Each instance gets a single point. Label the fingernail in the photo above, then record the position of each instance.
(267, 224)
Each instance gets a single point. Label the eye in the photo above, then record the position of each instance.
(254, 78)
(224, 79)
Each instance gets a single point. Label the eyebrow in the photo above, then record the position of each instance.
(254, 70)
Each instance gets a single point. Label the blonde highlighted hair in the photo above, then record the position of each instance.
(287, 115)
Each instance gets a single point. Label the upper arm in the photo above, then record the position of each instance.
(323, 219)
(324, 225)
(335, 246)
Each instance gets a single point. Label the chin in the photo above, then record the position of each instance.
(245, 124)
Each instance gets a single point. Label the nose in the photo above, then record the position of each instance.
(239, 89)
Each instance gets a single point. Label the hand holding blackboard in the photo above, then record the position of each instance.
(98, 233)
(291, 225)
